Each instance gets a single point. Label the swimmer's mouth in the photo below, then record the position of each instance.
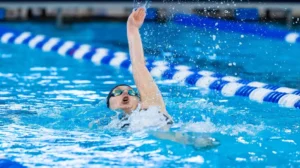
(125, 99)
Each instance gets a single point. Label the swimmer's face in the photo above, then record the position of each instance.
(125, 102)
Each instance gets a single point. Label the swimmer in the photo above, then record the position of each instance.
(125, 98)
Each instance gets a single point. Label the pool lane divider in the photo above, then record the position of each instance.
(227, 85)
(239, 27)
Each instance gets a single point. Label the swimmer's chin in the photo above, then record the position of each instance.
(125, 108)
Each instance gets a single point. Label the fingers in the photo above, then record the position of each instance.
(140, 11)
(141, 17)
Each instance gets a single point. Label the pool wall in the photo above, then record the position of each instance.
(227, 85)
(284, 11)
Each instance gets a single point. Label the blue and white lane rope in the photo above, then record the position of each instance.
(227, 85)
(246, 28)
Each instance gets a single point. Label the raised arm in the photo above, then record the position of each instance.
(149, 92)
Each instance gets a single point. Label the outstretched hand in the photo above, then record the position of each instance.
(136, 18)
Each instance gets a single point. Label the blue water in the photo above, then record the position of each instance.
(47, 101)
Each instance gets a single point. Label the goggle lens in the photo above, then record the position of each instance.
(119, 92)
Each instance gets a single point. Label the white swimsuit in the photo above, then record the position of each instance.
(141, 117)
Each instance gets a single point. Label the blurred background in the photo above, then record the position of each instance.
(62, 11)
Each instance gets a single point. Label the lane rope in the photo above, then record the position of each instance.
(227, 85)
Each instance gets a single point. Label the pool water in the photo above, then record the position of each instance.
(47, 101)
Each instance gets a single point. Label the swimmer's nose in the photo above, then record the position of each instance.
(125, 93)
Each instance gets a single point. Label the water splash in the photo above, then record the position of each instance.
(140, 3)
(148, 119)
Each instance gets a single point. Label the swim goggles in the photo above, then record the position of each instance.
(110, 94)
(118, 92)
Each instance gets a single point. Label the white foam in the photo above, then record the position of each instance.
(242, 140)
(4, 92)
(197, 159)
(289, 141)
(200, 127)
(71, 92)
(139, 120)
(64, 69)
(234, 130)
(43, 69)
(63, 82)
(238, 159)
(206, 126)
(104, 77)
(81, 81)
(109, 82)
